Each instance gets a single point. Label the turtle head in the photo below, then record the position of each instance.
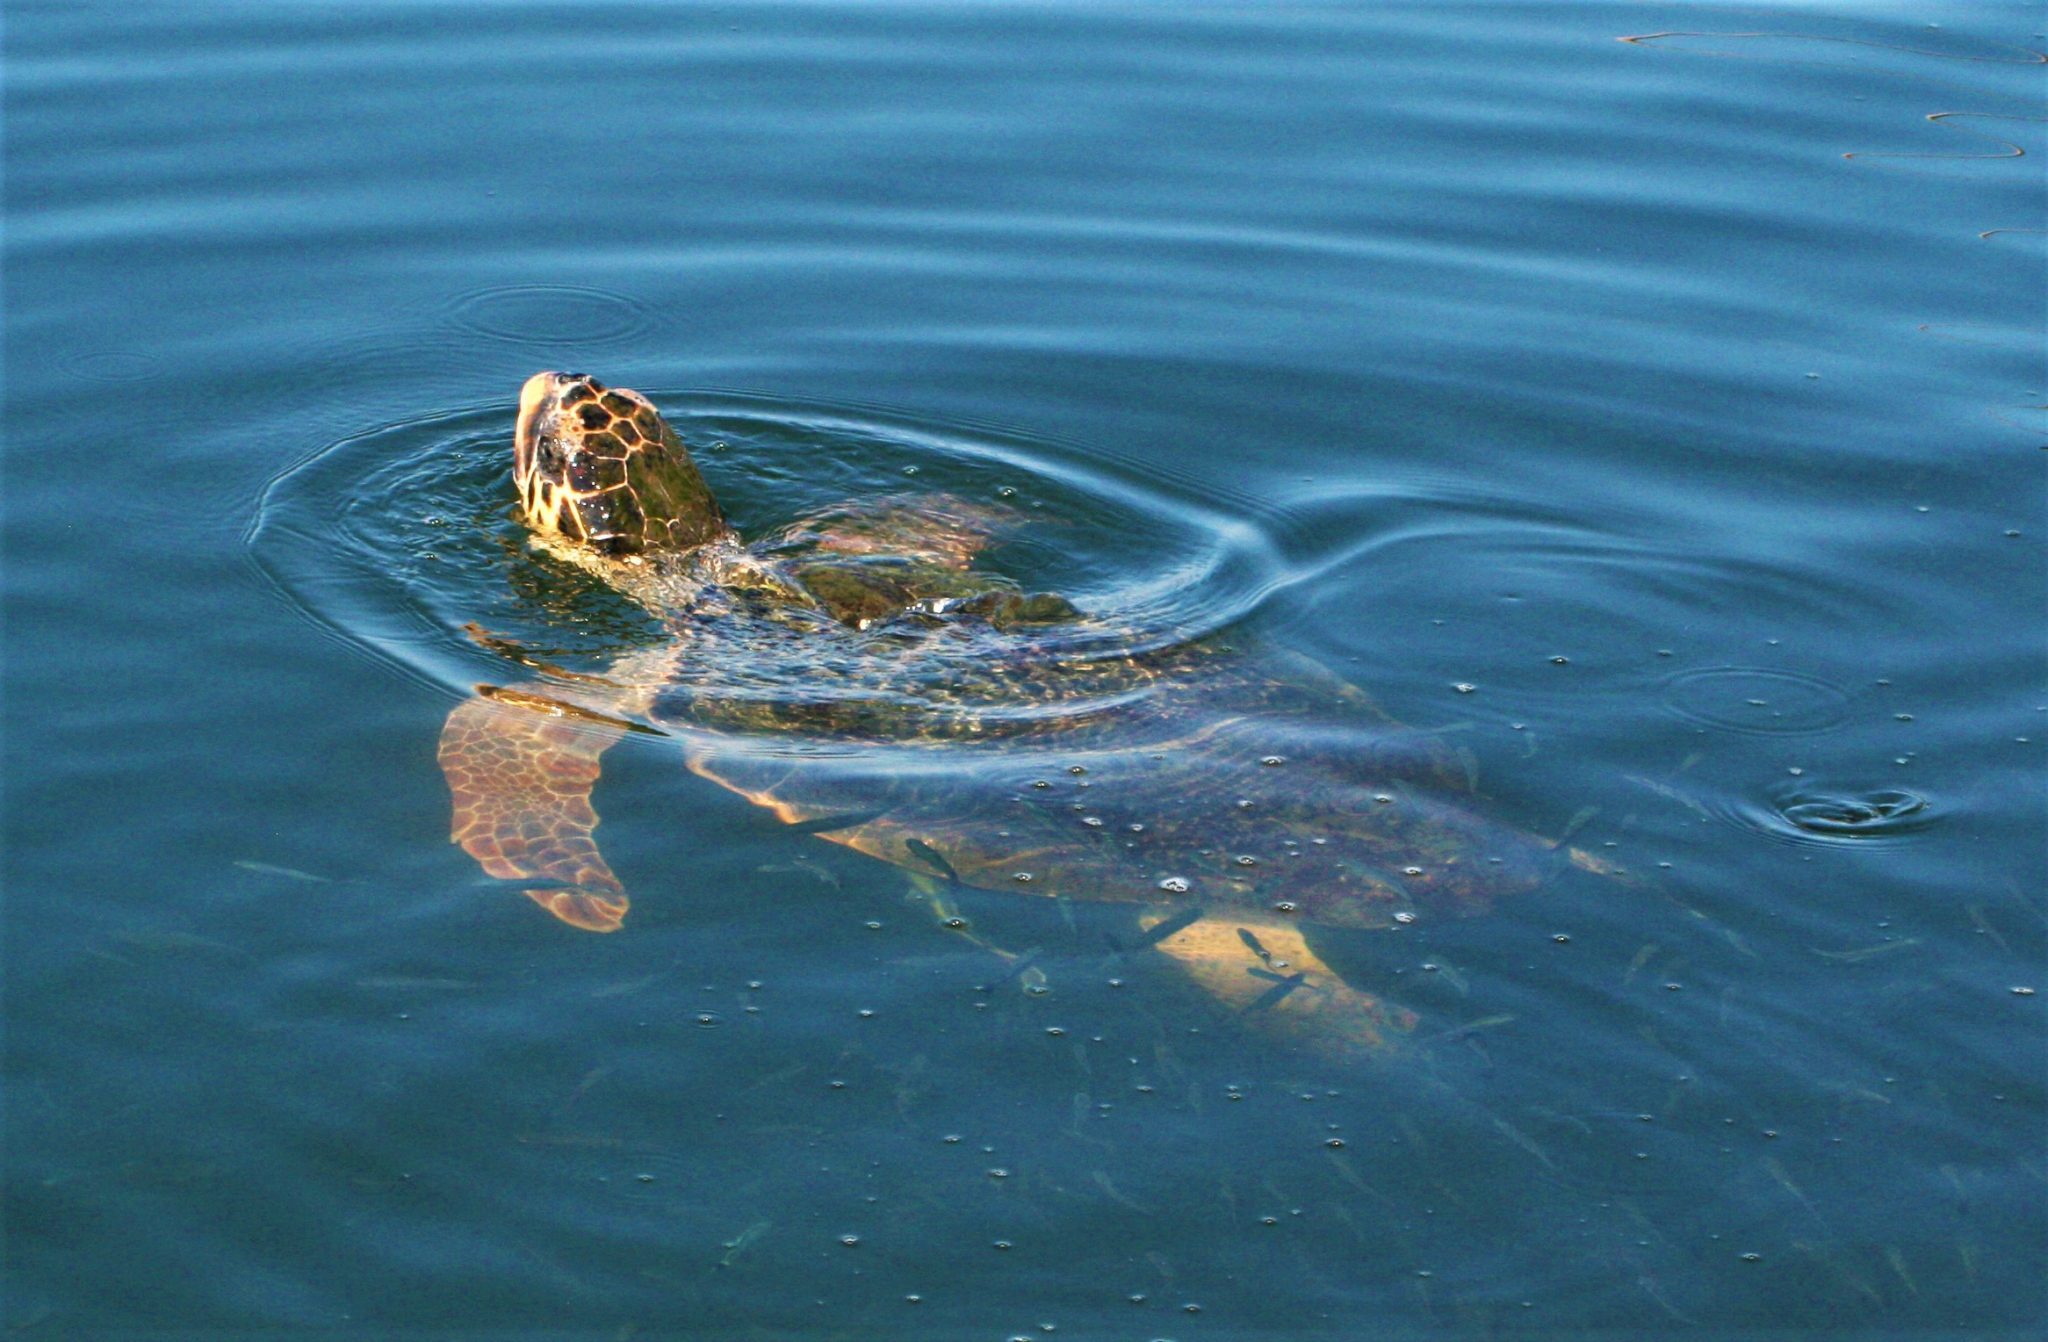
(598, 464)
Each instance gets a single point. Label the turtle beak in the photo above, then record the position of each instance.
(539, 400)
(546, 464)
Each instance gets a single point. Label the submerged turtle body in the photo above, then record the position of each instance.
(858, 675)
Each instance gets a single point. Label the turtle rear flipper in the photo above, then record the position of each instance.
(521, 766)
(1266, 975)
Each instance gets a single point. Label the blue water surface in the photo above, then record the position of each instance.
(1646, 397)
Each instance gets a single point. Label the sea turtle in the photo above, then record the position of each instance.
(856, 673)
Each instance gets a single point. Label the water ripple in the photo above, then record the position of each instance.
(1758, 700)
(394, 540)
(555, 315)
(1810, 814)
(114, 365)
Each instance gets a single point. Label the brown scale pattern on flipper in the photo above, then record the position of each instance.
(521, 777)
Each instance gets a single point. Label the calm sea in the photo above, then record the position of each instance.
(1645, 398)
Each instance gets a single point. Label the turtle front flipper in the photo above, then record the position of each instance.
(1265, 973)
(521, 765)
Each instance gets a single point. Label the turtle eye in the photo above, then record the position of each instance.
(550, 456)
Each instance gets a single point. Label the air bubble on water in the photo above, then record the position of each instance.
(1245, 860)
(1092, 821)
(1464, 687)
(1174, 885)
(1273, 761)
(1022, 878)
